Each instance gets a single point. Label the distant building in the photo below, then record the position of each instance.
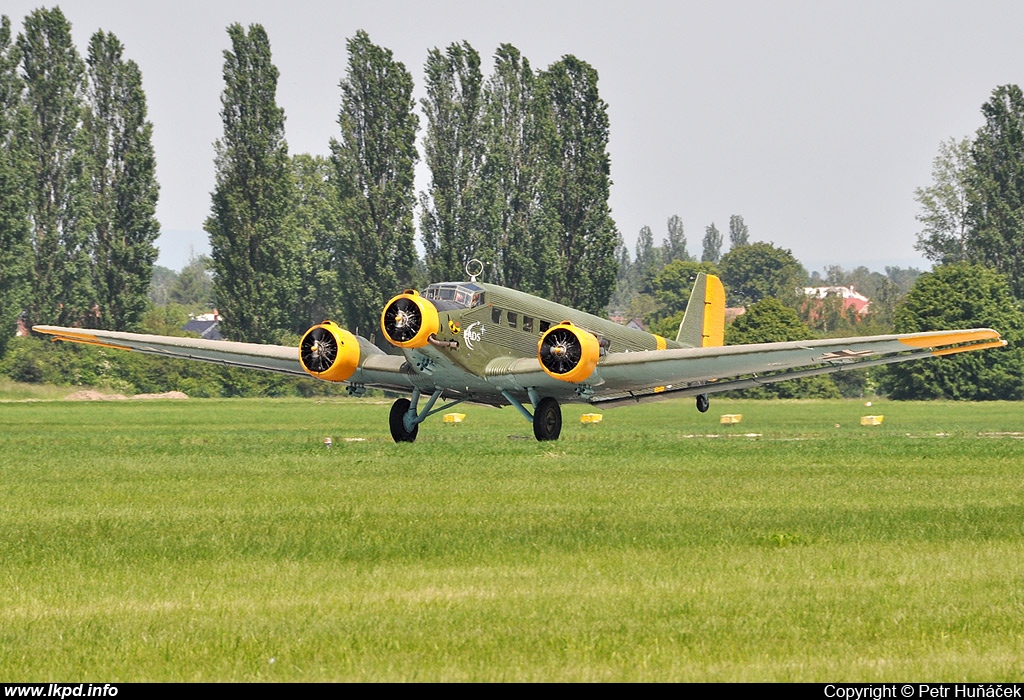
(205, 326)
(852, 299)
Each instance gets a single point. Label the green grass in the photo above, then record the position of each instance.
(220, 540)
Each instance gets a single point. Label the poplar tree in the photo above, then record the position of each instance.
(15, 252)
(648, 259)
(997, 187)
(124, 185)
(675, 245)
(510, 175)
(253, 241)
(712, 251)
(374, 159)
(575, 185)
(451, 224)
(318, 221)
(60, 209)
(738, 233)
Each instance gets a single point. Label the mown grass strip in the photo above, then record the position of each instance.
(220, 540)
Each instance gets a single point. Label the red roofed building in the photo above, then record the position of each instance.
(852, 299)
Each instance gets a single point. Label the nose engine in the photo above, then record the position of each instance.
(409, 320)
(328, 351)
(568, 353)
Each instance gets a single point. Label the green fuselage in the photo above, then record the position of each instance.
(489, 326)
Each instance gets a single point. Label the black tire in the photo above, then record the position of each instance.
(547, 419)
(703, 403)
(398, 432)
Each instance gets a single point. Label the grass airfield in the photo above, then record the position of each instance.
(209, 540)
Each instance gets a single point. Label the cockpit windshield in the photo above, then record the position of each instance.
(454, 295)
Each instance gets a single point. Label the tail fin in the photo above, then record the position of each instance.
(703, 324)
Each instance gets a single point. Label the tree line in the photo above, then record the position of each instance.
(519, 178)
(78, 188)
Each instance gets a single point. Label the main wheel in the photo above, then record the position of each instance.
(547, 419)
(398, 431)
(703, 403)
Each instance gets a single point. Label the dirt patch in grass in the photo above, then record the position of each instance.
(93, 395)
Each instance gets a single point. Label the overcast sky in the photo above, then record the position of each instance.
(814, 120)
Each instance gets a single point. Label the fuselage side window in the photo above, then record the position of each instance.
(495, 315)
(528, 324)
(544, 326)
(513, 319)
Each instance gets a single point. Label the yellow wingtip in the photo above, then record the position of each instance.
(951, 338)
(968, 348)
(70, 336)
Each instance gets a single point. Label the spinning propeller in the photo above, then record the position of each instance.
(568, 353)
(319, 349)
(402, 320)
(409, 320)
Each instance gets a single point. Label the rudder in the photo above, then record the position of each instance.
(703, 323)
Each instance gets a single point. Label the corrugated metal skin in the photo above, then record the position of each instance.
(621, 338)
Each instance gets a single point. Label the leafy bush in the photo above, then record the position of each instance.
(769, 321)
(952, 297)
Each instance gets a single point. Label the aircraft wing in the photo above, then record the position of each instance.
(631, 377)
(376, 368)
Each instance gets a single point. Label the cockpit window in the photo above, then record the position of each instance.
(454, 295)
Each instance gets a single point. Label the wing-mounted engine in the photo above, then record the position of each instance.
(409, 320)
(328, 351)
(568, 353)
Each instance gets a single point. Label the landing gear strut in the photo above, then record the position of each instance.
(703, 403)
(547, 419)
(406, 417)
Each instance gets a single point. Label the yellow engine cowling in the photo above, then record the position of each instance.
(409, 319)
(328, 351)
(568, 353)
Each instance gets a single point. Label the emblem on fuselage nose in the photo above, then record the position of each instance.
(454, 326)
(472, 335)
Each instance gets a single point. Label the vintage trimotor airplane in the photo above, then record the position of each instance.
(479, 342)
